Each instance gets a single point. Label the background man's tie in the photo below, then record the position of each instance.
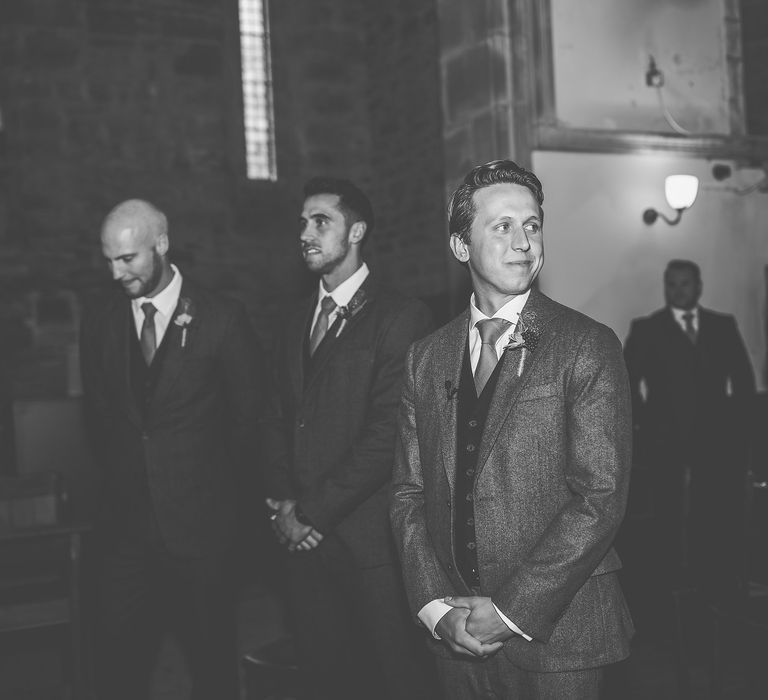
(148, 338)
(327, 305)
(690, 331)
(490, 329)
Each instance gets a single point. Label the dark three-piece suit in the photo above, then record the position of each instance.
(691, 422)
(548, 486)
(334, 456)
(171, 440)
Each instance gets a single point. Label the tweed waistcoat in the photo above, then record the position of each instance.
(472, 412)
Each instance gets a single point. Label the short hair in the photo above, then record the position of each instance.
(461, 207)
(352, 200)
(684, 265)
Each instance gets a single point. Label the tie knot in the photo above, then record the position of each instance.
(688, 316)
(491, 328)
(327, 305)
(149, 310)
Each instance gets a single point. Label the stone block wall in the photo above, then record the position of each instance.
(754, 43)
(102, 100)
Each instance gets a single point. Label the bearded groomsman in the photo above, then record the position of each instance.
(339, 374)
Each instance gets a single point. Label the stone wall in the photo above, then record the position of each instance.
(102, 100)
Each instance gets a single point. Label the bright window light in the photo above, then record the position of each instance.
(258, 115)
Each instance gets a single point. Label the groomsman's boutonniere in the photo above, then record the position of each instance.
(185, 318)
(356, 303)
(524, 339)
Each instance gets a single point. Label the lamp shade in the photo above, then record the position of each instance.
(681, 190)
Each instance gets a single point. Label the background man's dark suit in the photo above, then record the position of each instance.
(688, 421)
(169, 454)
(338, 417)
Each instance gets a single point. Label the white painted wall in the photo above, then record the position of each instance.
(601, 50)
(603, 260)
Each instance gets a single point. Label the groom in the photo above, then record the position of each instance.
(512, 467)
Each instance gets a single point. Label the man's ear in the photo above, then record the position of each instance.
(357, 232)
(162, 244)
(459, 248)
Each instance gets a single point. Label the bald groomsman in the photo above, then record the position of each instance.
(171, 383)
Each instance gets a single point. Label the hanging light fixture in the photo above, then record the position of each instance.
(680, 191)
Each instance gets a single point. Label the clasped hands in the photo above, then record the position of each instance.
(473, 627)
(287, 528)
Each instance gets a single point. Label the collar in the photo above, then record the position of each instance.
(679, 313)
(166, 300)
(343, 294)
(509, 312)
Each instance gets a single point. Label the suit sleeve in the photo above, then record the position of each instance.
(597, 469)
(425, 578)
(95, 405)
(367, 465)
(634, 357)
(274, 431)
(740, 366)
(242, 364)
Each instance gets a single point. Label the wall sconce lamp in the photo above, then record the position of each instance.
(680, 191)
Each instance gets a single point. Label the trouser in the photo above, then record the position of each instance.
(496, 678)
(354, 636)
(143, 592)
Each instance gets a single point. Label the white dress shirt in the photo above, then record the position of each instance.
(433, 611)
(165, 301)
(342, 295)
(679, 313)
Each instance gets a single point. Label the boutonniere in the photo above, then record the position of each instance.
(185, 318)
(525, 339)
(356, 303)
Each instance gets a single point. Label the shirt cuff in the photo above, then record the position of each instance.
(512, 625)
(433, 612)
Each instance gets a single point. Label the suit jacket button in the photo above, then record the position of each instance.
(299, 423)
(448, 503)
(145, 436)
(449, 567)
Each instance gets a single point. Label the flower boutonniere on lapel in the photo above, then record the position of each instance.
(185, 318)
(525, 339)
(356, 303)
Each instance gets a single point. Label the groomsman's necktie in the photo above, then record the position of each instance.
(490, 330)
(327, 306)
(690, 331)
(148, 338)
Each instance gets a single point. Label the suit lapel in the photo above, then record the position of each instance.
(339, 331)
(175, 355)
(677, 336)
(296, 338)
(120, 324)
(539, 310)
(705, 326)
(447, 379)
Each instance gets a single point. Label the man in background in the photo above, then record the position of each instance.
(171, 383)
(692, 387)
(339, 370)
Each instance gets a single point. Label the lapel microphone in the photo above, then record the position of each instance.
(450, 390)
